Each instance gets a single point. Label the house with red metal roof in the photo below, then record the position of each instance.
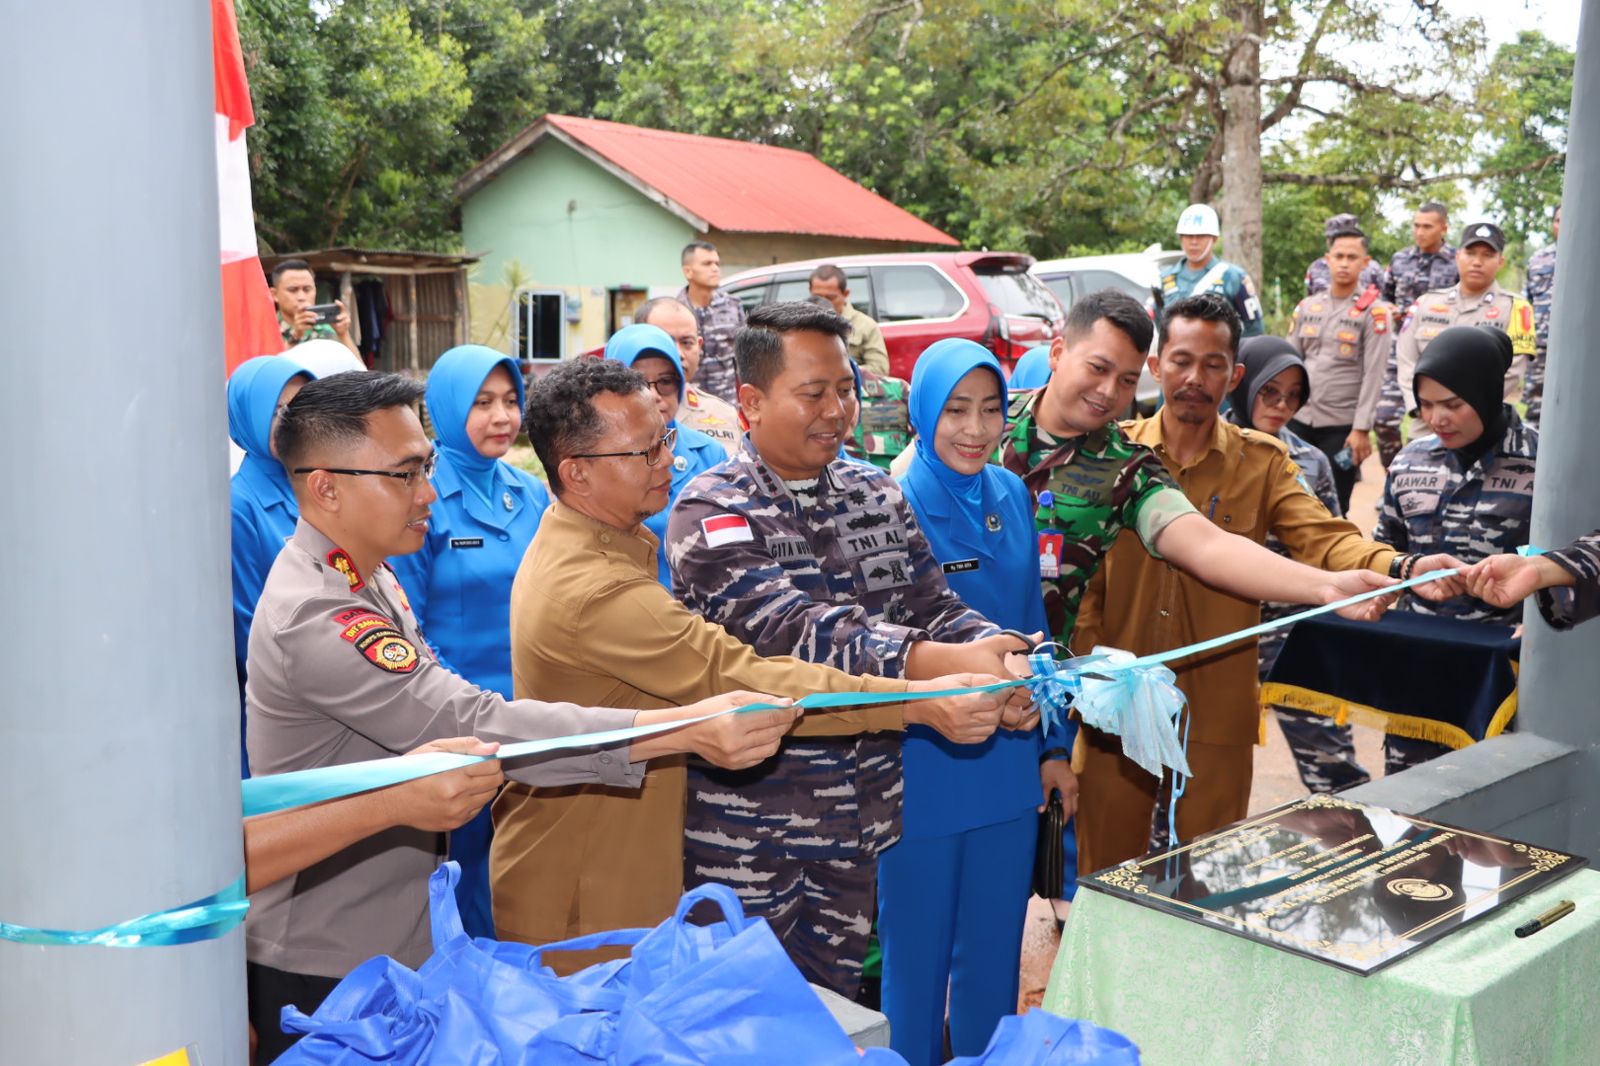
(577, 221)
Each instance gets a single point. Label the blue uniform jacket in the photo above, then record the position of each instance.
(460, 582)
(951, 788)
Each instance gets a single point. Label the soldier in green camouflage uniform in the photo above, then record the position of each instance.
(1098, 485)
(883, 426)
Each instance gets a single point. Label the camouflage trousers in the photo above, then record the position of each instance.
(1533, 389)
(1391, 413)
(821, 909)
(1324, 751)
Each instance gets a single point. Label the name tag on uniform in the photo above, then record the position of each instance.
(1087, 479)
(1418, 493)
(790, 550)
(886, 572)
(960, 566)
(466, 542)
(1514, 480)
(864, 532)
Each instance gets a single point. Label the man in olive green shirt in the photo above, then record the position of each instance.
(866, 339)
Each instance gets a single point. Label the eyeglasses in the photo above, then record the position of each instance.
(666, 385)
(425, 471)
(1273, 398)
(652, 454)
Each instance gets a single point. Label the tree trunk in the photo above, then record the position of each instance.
(1240, 207)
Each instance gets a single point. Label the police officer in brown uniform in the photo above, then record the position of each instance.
(1344, 336)
(1476, 300)
(339, 672)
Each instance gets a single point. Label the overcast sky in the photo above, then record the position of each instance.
(1558, 19)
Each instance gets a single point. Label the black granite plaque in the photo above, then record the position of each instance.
(1341, 882)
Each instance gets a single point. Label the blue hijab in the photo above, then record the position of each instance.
(253, 391)
(962, 503)
(631, 343)
(453, 385)
(1033, 369)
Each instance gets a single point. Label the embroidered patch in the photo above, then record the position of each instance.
(356, 624)
(339, 559)
(1491, 312)
(887, 572)
(790, 550)
(859, 521)
(1348, 336)
(1315, 309)
(1526, 314)
(1439, 309)
(726, 529)
(855, 545)
(1308, 330)
(959, 566)
(466, 542)
(388, 650)
(1380, 320)
(1347, 350)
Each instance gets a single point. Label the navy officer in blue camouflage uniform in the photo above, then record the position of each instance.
(1428, 264)
(1541, 289)
(1275, 386)
(798, 551)
(1464, 489)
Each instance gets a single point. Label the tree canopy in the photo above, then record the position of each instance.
(1057, 127)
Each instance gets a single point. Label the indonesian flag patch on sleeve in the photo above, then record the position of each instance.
(725, 529)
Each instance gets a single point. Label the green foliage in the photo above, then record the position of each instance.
(1057, 127)
(1526, 97)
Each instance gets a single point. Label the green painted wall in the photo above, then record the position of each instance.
(568, 223)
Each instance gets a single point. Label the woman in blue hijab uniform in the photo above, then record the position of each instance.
(653, 353)
(264, 511)
(953, 892)
(459, 584)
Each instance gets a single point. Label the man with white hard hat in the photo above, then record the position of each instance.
(1201, 271)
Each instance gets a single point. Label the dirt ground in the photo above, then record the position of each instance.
(1275, 778)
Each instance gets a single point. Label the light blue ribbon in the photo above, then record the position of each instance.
(1138, 700)
(204, 919)
(277, 792)
(1132, 697)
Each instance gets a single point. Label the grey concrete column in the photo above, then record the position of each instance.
(118, 708)
(1561, 671)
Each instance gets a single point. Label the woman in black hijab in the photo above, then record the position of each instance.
(1464, 489)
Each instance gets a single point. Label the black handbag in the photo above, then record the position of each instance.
(1049, 855)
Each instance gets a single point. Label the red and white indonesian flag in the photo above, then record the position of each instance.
(725, 529)
(249, 317)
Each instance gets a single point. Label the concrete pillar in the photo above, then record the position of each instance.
(1561, 673)
(119, 741)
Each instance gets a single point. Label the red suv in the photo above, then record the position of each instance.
(920, 297)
